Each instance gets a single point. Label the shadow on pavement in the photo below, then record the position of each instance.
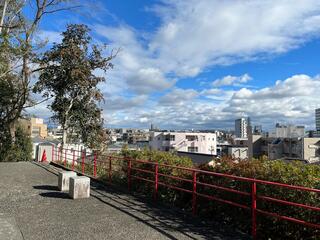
(55, 195)
(46, 187)
(163, 219)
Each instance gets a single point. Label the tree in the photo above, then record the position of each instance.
(68, 75)
(17, 54)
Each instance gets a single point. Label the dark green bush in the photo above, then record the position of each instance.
(20, 150)
(295, 173)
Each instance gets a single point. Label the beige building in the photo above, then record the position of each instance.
(34, 127)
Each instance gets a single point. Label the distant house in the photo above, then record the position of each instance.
(193, 142)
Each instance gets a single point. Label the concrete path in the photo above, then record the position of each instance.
(32, 208)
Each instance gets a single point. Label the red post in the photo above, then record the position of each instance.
(156, 170)
(194, 193)
(82, 163)
(52, 158)
(254, 209)
(65, 157)
(110, 170)
(129, 174)
(95, 165)
(73, 159)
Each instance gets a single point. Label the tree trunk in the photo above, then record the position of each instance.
(12, 128)
(5, 4)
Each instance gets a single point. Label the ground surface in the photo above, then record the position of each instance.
(32, 208)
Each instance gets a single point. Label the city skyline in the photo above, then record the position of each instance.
(203, 64)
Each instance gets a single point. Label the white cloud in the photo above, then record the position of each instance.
(199, 33)
(178, 97)
(50, 36)
(195, 35)
(148, 80)
(231, 80)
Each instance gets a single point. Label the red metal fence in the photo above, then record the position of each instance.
(73, 157)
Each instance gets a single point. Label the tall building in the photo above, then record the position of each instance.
(318, 120)
(241, 127)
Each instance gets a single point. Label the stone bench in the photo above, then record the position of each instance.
(64, 179)
(79, 187)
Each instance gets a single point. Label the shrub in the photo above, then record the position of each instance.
(20, 150)
(294, 173)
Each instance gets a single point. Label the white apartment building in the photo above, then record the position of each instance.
(241, 127)
(194, 142)
(318, 120)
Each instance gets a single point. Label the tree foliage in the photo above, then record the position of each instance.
(18, 49)
(68, 75)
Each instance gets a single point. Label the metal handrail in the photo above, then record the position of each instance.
(194, 173)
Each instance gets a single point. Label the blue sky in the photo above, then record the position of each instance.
(203, 63)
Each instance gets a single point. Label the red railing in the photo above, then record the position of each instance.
(91, 160)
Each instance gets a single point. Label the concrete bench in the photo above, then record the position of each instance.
(64, 179)
(79, 187)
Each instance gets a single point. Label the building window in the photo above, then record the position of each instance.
(170, 137)
(191, 137)
(35, 131)
(193, 149)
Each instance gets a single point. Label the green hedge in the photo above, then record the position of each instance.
(293, 173)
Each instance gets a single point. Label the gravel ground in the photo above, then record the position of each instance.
(32, 208)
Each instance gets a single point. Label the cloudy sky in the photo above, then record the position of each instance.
(203, 63)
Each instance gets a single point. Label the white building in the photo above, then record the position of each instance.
(318, 120)
(195, 142)
(238, 152)
(241, 127)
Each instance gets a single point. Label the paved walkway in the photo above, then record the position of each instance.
(32, 208)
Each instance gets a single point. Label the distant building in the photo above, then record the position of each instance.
(257, 129)
(56, 133)
(193, 142)
(238, 152)
(318, 120)
(241, 127)
(288, 131)
(34, 127)
(307, 149)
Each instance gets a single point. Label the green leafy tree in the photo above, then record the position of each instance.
(68, 76)
(18, 48)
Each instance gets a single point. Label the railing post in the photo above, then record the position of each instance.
(52, 157)
(110, 170)
(194, 193)
(65, 157)
(82, 162)
(95, 165)
(59, 149)
(156, 176)
(73, 159)
(129, 174)
(254, 209)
